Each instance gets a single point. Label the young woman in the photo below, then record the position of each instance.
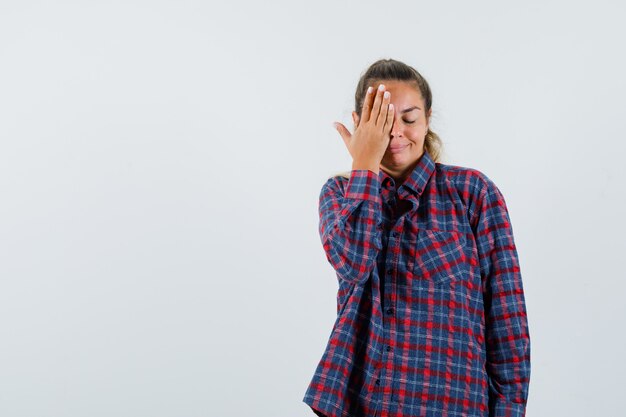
(431, 315)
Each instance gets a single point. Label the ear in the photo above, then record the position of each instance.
(355, 119)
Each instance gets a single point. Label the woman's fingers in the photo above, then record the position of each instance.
(389, 121)
(367, 104)
(376, 106)
(384, 107)
(344, 133)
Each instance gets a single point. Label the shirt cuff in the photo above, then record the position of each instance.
(363, 185)
(507, 409)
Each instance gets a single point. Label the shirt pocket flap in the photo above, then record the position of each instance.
(438, 257)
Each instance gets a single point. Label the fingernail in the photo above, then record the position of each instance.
(386, 94)
(369, 89)
(381, 87)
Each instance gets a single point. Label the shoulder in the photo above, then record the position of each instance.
(476, 190)
(360, 178)
(335, 184)
(338, 179)
(466, 180)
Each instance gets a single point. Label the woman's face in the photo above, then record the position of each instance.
(409, 126)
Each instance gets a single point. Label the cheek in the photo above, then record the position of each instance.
(416, 131)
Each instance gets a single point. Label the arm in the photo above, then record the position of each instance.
(349, 224)
(506, 326)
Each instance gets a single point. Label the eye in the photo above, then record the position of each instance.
(409, 121)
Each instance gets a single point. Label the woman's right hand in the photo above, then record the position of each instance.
(371, 137)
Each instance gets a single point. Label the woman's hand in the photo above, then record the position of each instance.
(370, 140)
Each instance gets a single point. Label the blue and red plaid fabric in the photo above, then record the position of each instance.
(431, 316)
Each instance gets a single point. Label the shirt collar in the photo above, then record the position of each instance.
(417, 180)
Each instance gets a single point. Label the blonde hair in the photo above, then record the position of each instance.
(390, 69)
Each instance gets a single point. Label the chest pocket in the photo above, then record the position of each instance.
(438, 257)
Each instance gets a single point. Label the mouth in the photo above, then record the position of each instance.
(396, 149)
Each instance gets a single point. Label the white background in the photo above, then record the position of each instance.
(161, 161)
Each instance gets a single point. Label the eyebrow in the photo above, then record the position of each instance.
(410, 109)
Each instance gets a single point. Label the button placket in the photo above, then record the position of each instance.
(393, 234)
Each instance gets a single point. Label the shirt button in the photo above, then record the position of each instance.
(394, 234)
(388, 348)
(389, 272)
(378, 382)
(390, 311)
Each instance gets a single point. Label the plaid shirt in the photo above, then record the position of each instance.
(431, 316)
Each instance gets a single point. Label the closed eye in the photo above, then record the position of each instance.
(409, 121)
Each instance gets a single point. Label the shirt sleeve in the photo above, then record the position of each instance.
(350, 225)
(506, 327)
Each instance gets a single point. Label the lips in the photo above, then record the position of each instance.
(397, 148)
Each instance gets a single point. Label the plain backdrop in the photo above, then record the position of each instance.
(160, 166)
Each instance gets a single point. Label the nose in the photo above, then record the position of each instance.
(396, 129)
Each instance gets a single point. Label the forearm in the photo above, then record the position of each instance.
(350, 223)
(507, 337)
